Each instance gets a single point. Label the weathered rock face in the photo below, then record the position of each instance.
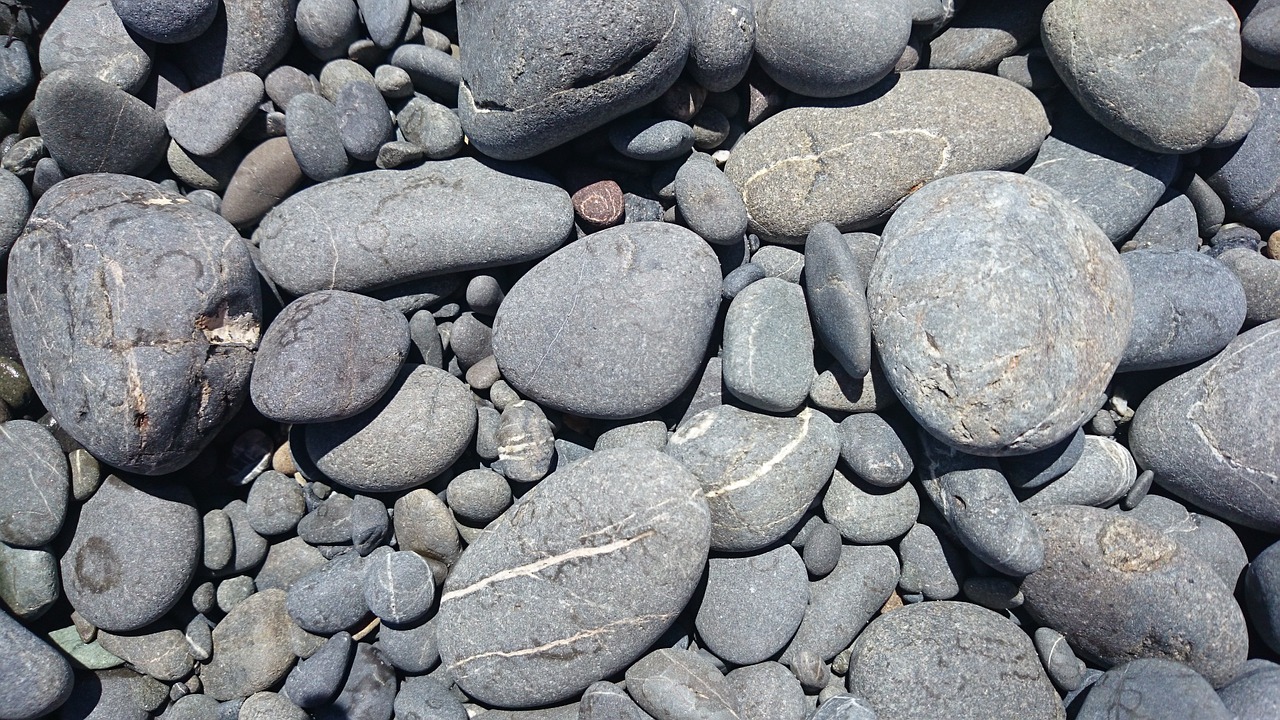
(851, 163)
(143, 379)
(998, 342)
(384, 227)
(576, 581)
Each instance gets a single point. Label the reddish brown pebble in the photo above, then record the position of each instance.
(599, 204)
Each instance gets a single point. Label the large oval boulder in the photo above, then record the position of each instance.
(136, 314)
(850, 163)
(1000, 312)
(614, 325)
(576, 581)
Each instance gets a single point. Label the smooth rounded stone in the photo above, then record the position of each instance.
(636, 304)
(425, 698)
(767, 691)
(250, 547)
(599, 204)
(218, 541)
(739, 278)
(34, 484)
(634, 526)
(673, 684)
(1262, 594)
(1260, 35)
(29, 581)
(16, 73)
(133, 554)
(867, 514)
(161, 654)
(601, 701)
(1171, 224)
(1115, 183)
(753, 605)
(364, 121)
(1152, 688)
(34, 678)
(308, 241)
(425, 408)
(1044, 466)
(479, 496)
(1260, 278)
(167, 21)
(329, 523)
(470, 339)
(266, 176)
(90, 126)
(202, 173)
(1174, 92)
(904, 665)
(1255, 692)
(1102, 475)
(397, 153)
(1014, 382)
(89, 39)
(929, 564)
(484, 294)
(393, 82)
(369, 690)
(15, 208)
(311, 124)
(651, 139)
(647, 433)
(328, 356)
(339, 73)
(1060, 662)
(1193, 432)
(327, 27)
(526, 444)
(829, 50)
(369, 524)
(822, 550)
(709, 203)
(517, 100)
(837, 297)
(780, 262)
(851, 163)
(331, 598)
(117, 694)
(206, 120)
(411, 650)
(1147, 596)
(275, 504)
(983, 33)
(286, 82)
(385, 20)
(987, 519)
(424, 333)
(721, 42)
(834, 389)
(710, 129)
(424, 525)
(398, 587)
(758, 473)
(842, 603)
(248, 35)
(409, 297)
(767, 349)
(199, 638)
(874, 451)
(995, 593)
(1248, 105)
(1213, 540)
(316, 680)
(251, 650)
(270, 706)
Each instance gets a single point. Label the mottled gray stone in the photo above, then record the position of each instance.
(1119, 589)
(759, 473)
(479, 496)
(15, 208)
(330, 598)
(250, 547)
(369, 524)
(1102, 475)
(311, 124)
(767, 348)
(369, 691)
(1172, 224)
(1167, 84)
(327, 356)
(425, 698)
(835, 389)
(874, 450)
(1248, 106)
(739, 278)
(837, 297)
(841, 604)
(722, 37)
(930, 564)
(34, 484)
(412, 650)
(753, 605)
(424, 525)
(709, 203)
(202, 173)
(1060, 662)
(867, 514)
(339, 73)
(398, 587)
(88, 38)
(1255, 692)
(161, 654)
(995, 593)
(329, 523)
(1195, 432)
(1262, 594)
(1152, 688)
(29, 581)
(904, 665)
(286, 82)
(432, 127)
(167, 21)
(90, 126)
(385, 20)
(674, 684)
(118, 694)
(438, 218)
(645, 433)
(780, 262)
(206, 120)
(636, 529)
(270, 706)
(1213, 540)
(275, 504)
(603, 701)
(432, 71)
(852, 163)
(251, 650)
(817, 49)
(328, 27)
(218, 541)
(651, 139)
(822, 550)
(632, 310)
(767, 691)
(1043, 466)
(248, 35)
(34, 678)
(316, 680)
(526, 443)
(983, 32)
(425, 408)
(16, 73)
(994, 361)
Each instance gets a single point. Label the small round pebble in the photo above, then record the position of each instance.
(398, 587)
(479, 496)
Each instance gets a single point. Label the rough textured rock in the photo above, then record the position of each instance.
(753, 605)
(143, 381)
(1195, 432)
(851, 163)
(614, 325)
(442, 217)
(998, 343)
(1213, 540)
(634, 529)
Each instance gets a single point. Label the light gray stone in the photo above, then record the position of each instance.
(767, 348)
(753, 605)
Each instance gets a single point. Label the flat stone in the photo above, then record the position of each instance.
(638, 548)
(266, 176)
(331, 598)
(753, 605)
(837, 297)
(34, 678)
(835, 389)
(424, 524)
(251, 650)
(672, 684)
(932, 567)
(867, 514)
(653, 140)
(842, 603)
(634, 307)
(1154, 688)
(1172, 224)
(767, 349)
(317, 680)
(161, 654)
(133, 554)
(89, 39)
(270, 706)
(364, 121)
(90, 126)
(983, 33)
(206, 120)
(438, 218)
(850, 164)
(34, 484)
(1010, 380)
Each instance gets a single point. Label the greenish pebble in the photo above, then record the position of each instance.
(88, 656)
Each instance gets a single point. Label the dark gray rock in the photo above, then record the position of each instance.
(1260, 278)
(758, 473)
(651, 139)
(822, 550)
(834, 389)
(931, 565)
(767, 349)
(722, 37)
(1172, 224)
(393, 82)
(88, 39)
(275, 504)
(90, 126)
(1152, 688)
(250, 547)
(518, 99)
(1193, 431)
(841, 604)
(331, 598)
(369, 524)
(270, 706)
(646, 530)
(710, 205)
(327, 27)
(385, 20)
(1260, 35)
(1060, 662)
(904, 665)
(34, 678)
(644, 433)
(161, 654)
(167, 21)
(246, 35)
(425, 408)
(753, 605)
(16, 73)
(837, 297)
(286, 82)
(203, 173)
(327, 356)
(874, 450)
(206, 120)
(635, 305)
(850, 164)
(339, 73)
(1262, 594)
(432, 71)
(118, 694)
(364, 121)
(1043, 466)
(993, 362)
(15, 208)
(251, 650)
(1248, 105)
(603, 701)
(219, 542)
(398, 587)
(432, 127)
(673, 684)
(133, 554)
(1119, 589)
(867, 514)
(329, 523)
(739, 278)
(34, 484)
(425, 698)
(1103, 474)
(369, 691)
(1213, 540)
(780, 262)
(983, 33)
(470, 339)
(311, 124)
(424, 525)
(767, 691)
(1195, 45)
(438, 218)
(29, 581)
(479, 496)
(1255, 692)
(411, 650)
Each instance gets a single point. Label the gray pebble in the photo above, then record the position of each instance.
(650, 139)
(411, 650)
(328, 524)
(710, 204)
(425, 336)
(874, 451)
(822, 550)
(90, 126)
(983, 33)
(161, 654)
(275, 504)
(1248, 106)
(1153, 688)
(88, 39)
(29, 581)
(841, 604)
(34, 484)
(488, 420)
(929, 564)
(364, 121)
(1103, 474)
(674, 684)
(251, 650)
(268, 174)
(233, 591)
(206, 120)
(470, 339)
(399, 587)
(203, 173)
(1043, 466)
(767, 691)
(311, 124)
(248, 35)
(432, 127)
(752, 605)
(385, 20)
(1172, 224)
(16, 73)
(15, 208)
(316, 680)
(1255, 692)
(993, 593)
(337, 74)
(331, 598)
(287, 562)
(1213, 540)
(526, 444)
(34, 678)
(328, 27)
(780, 262)
(218, 540)
(250, 547)
(642, 209)
(1060, 662)
(768, 346)
(122, 694)
(369, 524)
(836, 294)
(393, 82)
(722, 42)
(286, 82)
(432, 71)
(424, 698)
(1260, 278)
(739, 278)
(867, 514)
(424, 525)
(270, 706)
(603, 701)
(834, 389)
(479, 496)
(369, 691)
(645, 433)
(710, 129)
(1262, 594)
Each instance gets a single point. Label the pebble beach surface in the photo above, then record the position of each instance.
(639, 359)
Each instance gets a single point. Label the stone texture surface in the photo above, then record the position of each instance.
(767, 346)
(35, 484)
(753, 605)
